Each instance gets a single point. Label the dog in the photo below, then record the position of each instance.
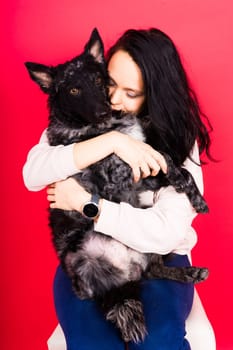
(99, 266)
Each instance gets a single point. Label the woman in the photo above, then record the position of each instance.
(146, 77)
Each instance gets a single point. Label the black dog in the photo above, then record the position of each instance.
(79, 110)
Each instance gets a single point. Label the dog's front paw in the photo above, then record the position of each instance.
(129, 318)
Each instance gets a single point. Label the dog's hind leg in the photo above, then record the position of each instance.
(122, 306)
(189, 274)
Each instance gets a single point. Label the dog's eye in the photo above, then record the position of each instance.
(98, 80)
(75, 91)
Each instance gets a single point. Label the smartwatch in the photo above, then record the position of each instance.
(91, 209)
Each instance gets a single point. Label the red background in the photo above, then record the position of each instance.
(49, 32)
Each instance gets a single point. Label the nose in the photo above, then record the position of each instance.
(116, 99)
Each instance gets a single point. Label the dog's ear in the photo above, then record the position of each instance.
(95, 46)
(41, 74)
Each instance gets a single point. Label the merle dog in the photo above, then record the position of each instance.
(99, 266)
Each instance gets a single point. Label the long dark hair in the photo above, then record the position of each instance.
(176, 120)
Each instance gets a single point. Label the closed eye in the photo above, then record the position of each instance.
(132, 94)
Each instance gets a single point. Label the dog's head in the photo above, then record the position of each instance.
(77, 89)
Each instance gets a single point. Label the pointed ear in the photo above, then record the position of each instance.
(95, 46)
(41, 74)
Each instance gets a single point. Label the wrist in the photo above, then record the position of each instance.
(115, 140)
(85, 198)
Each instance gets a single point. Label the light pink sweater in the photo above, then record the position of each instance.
(164, 227)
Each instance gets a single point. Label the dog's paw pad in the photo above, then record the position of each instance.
(197, 274)
(202, 275)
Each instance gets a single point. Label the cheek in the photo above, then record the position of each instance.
(134, 105)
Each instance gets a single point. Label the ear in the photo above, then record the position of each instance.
(41, 74)
(95, 46)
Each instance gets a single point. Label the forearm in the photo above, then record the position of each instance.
(47, 164)
(161, 229)
(93, 150)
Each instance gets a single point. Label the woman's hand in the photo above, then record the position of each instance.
(140, 156)
(67, 195)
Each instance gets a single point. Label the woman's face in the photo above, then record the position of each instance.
(126, 88)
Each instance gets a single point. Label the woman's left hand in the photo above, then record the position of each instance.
(67, 195)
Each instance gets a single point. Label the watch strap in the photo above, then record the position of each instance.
(95, 198)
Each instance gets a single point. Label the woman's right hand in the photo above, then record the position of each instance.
(141, 157)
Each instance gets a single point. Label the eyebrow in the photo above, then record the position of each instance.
(139, 92)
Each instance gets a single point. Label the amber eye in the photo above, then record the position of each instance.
(75, 91)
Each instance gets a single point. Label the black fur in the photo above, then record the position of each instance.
(79, 110)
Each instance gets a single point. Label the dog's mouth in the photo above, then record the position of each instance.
(104, 114)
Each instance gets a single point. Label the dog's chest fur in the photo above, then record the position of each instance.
(59, 133)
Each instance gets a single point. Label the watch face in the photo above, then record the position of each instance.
(90, 210)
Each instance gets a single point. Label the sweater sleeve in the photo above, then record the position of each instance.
(46, 164)
(162, 228)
